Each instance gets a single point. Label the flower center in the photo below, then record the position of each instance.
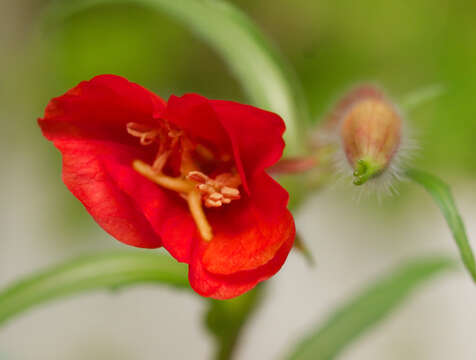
(192, 183)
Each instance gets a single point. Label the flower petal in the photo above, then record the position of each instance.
(100, 109)
(194, 115)
(249, 232)
(256, 135)
(229, 286)
(87, 125)
(90, 171)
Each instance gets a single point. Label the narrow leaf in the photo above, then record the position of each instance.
(422, 96)
(441, 193)
(86, 273)
(264, 74)
(366, 309)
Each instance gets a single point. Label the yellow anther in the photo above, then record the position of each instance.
(211, 203)
(218, 191)
(198, 177)
(216, 196)
(205, 188)
(230, 193)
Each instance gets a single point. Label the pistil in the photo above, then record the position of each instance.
(194, 200)
(146, 135)
(168, 182)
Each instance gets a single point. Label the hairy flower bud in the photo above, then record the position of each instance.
(371, 135)
(369, 130)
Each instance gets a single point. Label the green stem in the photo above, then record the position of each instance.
(441, 194)
(225, 319)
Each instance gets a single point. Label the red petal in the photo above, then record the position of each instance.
(229, 286)
(100, 109)
(256, 135)
(91, 172)
(248, 232)
(87, 125)
(193, 114)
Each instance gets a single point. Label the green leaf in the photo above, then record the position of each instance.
(264, 74)
(225, 319)
(366, 309)
(87, 273)
(441, 193)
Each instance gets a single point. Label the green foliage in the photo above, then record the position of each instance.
(262, 72)
(117, 40)
(87, 273)
(441, 193)
(366, 309)
(225, 319)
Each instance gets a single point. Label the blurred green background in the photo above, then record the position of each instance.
(404, 46)
(332, 45)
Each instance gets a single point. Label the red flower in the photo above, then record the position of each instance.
(187, 175)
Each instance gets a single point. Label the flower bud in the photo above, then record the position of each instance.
(370, 132)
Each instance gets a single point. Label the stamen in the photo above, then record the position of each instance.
(218, 191)
(198, 177)
(206, 188)
(168, 140)
(230, 193)
(215, 196)
(167, 182)
(194, 200)
(210, 203)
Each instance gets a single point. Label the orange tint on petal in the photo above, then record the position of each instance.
(224, 287)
